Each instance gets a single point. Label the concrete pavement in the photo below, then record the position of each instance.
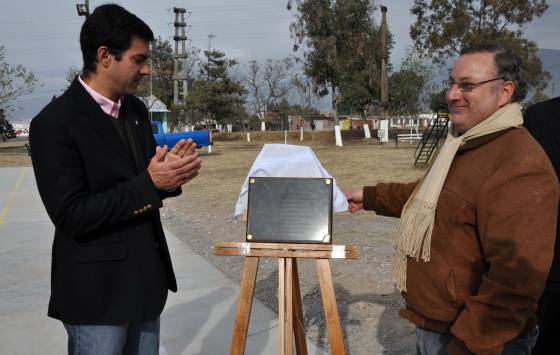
(197, 320)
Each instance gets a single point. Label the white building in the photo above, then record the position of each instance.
(157, 109)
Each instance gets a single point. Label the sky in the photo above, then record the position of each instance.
(43, 35)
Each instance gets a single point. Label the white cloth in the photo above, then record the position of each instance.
(284, 160)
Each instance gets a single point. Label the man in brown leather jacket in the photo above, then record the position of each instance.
(476, 236)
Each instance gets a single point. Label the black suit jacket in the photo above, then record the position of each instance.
(543, 121)
(110, 261)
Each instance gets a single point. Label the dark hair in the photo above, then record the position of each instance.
(112, 26)
(509, 65)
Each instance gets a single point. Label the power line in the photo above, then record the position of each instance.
(39, 39)
(243, 36)
(11, 52)
(160, 25)
(215, 9)
(222, 36)
(40, 23)
(55, 36)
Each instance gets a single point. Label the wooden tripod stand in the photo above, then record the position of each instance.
(290, 312)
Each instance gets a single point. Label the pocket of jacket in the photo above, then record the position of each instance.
(99, 253)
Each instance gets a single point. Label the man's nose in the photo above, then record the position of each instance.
(453, 93)
(145, 69)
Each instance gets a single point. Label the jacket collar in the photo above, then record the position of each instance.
(98, 119)
(477, 142)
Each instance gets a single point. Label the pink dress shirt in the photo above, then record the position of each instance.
(110, 107)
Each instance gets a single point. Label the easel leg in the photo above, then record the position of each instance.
(289, 307)
(299, 333)
(244, 306)
(329, 306)
(282, 303)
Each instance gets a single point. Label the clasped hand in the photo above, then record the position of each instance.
(170, 169)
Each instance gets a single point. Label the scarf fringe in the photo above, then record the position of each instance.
(413, 238)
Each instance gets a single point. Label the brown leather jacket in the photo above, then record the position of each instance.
(492, 243)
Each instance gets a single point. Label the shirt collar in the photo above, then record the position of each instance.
(110, 107)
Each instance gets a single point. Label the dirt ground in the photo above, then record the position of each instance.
(13, 153)
(367, 302)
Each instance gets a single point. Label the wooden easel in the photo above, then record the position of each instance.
(290, 312)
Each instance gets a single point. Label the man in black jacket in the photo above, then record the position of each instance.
(102, 181)
(543, 121)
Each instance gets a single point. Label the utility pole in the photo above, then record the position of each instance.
(308, 93)
(383, 132)
(179, 62)
(210, 36)
(384, 81)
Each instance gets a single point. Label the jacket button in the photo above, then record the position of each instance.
(136, 212)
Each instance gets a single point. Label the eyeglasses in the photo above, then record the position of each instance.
(465, 86)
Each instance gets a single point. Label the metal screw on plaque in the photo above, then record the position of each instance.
(326, 238)
(328, 181)
(249, 237)
(251, 181)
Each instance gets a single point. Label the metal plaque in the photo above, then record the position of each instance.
(290, 210)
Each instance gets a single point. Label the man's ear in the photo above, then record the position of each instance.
(506, 92)
(103, 56)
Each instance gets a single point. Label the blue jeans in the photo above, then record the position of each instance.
(130, 338)
(433, 343)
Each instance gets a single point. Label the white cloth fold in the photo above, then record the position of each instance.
(285, 160)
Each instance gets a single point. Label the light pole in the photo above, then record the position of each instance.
(210, 36)
(83, 8)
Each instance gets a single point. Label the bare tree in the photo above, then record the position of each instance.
(302, 90)
(15, 81)
(267, 84)
(254, 85)
(70, 75)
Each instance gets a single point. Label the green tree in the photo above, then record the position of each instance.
(359, 87)
(160, 81)
(405, 87)
(339, 46)
(361, 61)
(438, 102)
(442, 28)
(6, 129)
(214, 93)
(408, 87)
(15, 81)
